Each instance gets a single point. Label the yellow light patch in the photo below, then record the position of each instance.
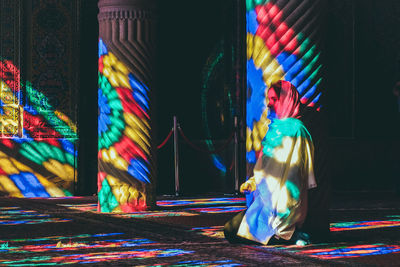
(115, 71)
(50, 187)
(281, 153)
(9, 187)
(137, 139)
(136, 123)
(64, 171)
(7, 165)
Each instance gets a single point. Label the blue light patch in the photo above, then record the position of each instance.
(29, 185)
(102, 48)
(139, 170)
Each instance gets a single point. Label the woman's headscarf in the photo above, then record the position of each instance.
(289, 100)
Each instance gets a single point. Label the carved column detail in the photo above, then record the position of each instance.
(126, 157)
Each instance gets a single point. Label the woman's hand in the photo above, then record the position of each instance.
(248, 186)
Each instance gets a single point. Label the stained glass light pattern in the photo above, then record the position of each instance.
(280, 46)
(201, 202)
(38, 159)
(68, 245)
(351, 251)
(212, 231)
(124, 177)
(16, 216)
(363, 225)
(219, 209)
(95, 257)
(10, 99)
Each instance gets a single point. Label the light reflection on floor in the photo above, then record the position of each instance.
(201, 202)
(212, 231)
(347, 251)
(154, 214)
(219, 209)
(322, 251)
(16, 216)
(363, 225)
(70, 246)
(192, 207)
(82, 207)
(221, 263)
(96, 257)
(59, 238)
(81, 243)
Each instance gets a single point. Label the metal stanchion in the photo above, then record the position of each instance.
(236, 155)
(176, 156)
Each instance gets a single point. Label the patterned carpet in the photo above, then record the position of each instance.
(185, 232)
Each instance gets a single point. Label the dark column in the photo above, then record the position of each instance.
(126, 156)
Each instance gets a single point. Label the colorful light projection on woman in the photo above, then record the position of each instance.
(277, 193)
(124, 177)
(279, 47)
(37, 153)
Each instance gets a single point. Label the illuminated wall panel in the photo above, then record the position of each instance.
(37, 160)
(38, 135)
(126, 152)
(281, 45)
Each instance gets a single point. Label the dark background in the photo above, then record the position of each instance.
(361, 57)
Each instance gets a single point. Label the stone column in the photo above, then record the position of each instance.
(126, 156)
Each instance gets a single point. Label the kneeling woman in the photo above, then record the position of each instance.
(282, 175)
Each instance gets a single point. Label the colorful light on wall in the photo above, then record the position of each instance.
(125, 174)
(280, 46)
(38, 145)
(212, 80)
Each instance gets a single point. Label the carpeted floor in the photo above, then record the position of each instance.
(365, 231)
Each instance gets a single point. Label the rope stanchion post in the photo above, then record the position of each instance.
(236, 155)
(176, 156)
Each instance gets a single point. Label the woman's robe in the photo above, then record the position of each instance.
(282, 176)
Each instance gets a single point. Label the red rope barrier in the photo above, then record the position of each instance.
(166, 139)
(203, 150)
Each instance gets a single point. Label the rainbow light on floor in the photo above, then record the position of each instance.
(211, 231)
(80, 245)
(219, 209)
(224, 263)
(200, 202)
(59, 198)
(96, 257)
(363, 225)
(138, 214)
(350, 251)
(16, 216)
(59, 238)
(155, 214)
(82, 207)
